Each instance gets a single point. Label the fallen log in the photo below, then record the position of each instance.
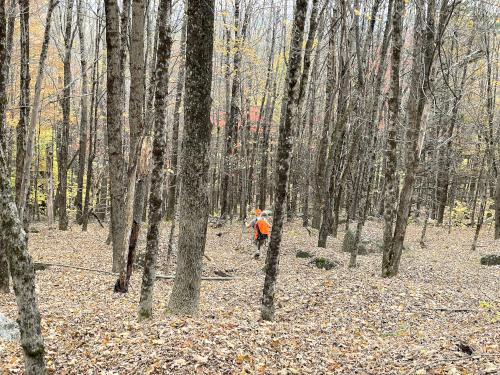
(158, 276)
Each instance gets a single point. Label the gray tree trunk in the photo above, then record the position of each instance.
(320, 167)
(175, 126)
(13, 239)
(193, 208)
(24, 103)
(285, 143)
(134, 203)
(82, 152)
(66, 112)
(392, 126)
(33, 121)
(114, 121)
(4, 63)
(234, 114)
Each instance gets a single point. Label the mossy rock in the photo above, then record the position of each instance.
(365, 247)
(348, 243)
(324, 263)
(303, 254)
(490, 260)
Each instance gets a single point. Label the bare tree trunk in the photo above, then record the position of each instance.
(283, 158)
(234, 115)
(94, 120)
(82, 152)
(24, 178)
(49, 162)
(134, 203)
(24, 104)
(114, 107)
(175, 127)
(193, 208)
(4, 68)
(264, 161)
(320, 168)
(480, 217)
(394, 100)
(296, 163)
(332, 189)
(424, 50)
(66, 109)
(13, 239)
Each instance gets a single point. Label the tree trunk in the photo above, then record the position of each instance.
(94, 120)
(193, 208)
(134, 203)
(393, 122)
(4, 65)
(319, 179)
(66, 109)
(264, 161)
(82, 152)
(13, 239)
(234, 113)
(114, 120)
(283, 158)
(175, 127)
(424, 50)
(24, 179)
(24, 105)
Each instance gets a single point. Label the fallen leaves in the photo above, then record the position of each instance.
(339, 321)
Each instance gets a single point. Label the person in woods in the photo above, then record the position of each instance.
(260, 230)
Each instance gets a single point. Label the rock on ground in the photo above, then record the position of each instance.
(8, 329)
(490, 260)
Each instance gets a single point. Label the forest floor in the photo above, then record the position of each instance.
(441, 315)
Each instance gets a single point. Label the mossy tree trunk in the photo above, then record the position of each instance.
(285, 143)
(159, 152)
(13, 240)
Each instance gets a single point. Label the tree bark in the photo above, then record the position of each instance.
(285, 143)
(392, 126)
(114, 120)
(66, 112)
(4, 63)
(136, 102)
(234, 113)
(94, 120)
(320, 167)
(193, 208)
(24, 104)
(24, 179)
(82, 153)
(172, 189)
(13, 239)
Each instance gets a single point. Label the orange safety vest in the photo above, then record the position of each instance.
(263, 226)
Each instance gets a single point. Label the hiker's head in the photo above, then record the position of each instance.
(258, 211)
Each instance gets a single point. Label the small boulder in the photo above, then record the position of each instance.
(365, 246)
(348, 243)
(8, 329)
(490, 260)
(303, 254)
(324, 263)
